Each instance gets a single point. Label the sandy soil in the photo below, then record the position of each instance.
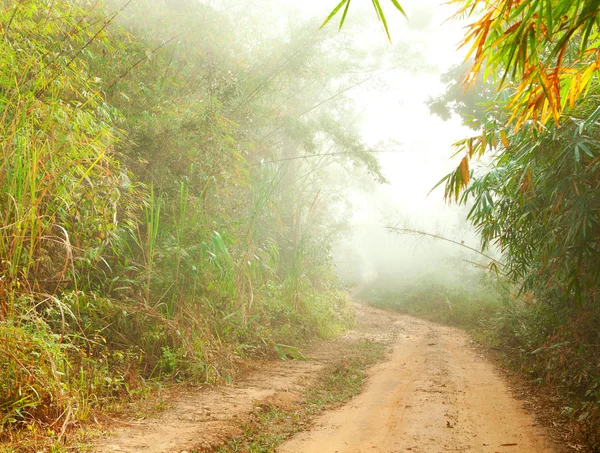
(201, 420)
(435, 394)
(204, 419)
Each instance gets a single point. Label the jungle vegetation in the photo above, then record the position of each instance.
(170, 190)
(159, 221)
(530, 91)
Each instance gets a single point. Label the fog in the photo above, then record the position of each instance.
(190, 188)
(417, 144)
(394, 110)
(414, 146)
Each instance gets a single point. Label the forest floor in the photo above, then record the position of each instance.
(434, 391)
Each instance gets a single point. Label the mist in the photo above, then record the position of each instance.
(383, 104)
(394, 114)
(231, 209)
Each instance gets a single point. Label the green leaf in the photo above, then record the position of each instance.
(592, 118)
(344, 15)
(381, 17)
(586, 149)
(335, 11)
(399, 8)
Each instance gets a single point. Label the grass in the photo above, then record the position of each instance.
(339, 382)
(468, 301)
(139, 246)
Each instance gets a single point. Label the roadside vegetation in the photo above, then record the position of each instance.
(170, 180)
(533, 201)
(530, 178)
(158, 221)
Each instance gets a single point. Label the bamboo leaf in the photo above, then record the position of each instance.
(399, 8)
(381, 17)
(344, 15)
(334, 12)
(504, 138)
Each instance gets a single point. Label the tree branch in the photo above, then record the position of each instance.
(442, 238)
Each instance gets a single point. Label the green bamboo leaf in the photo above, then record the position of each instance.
(587, 18)
(549, 19)
(381, 17)
(585, 149)
(334, 12)
(399, 8)
(592, 118)
(344, 15)
(440, 182)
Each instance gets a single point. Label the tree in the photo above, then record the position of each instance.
(470, 104)
(546, 53)
(527, 44)
(544, 56)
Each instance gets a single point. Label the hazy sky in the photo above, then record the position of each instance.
(399, 113)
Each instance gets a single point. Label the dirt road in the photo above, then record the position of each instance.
(201, 420)
(435, 394)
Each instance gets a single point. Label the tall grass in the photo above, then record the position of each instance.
(58, 189)
(57, 175)
(115, 273)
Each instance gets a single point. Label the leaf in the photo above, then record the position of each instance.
(334, 12)
(464, 170)
(381, 17)
(592, 118)
(586, 150)
(399, 8)
(440, 182)
(532, 42)
(504, 138)
(378, 11)
(344, 15)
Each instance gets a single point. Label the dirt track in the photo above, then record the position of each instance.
(203, 419)
(435, 394)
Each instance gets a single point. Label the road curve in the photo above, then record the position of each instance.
(435, 394)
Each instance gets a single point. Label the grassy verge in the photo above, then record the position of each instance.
(140, 245)
(272, 424)
(120, 389)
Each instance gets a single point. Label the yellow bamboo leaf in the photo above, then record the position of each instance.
(504, 138)
(464, 171)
